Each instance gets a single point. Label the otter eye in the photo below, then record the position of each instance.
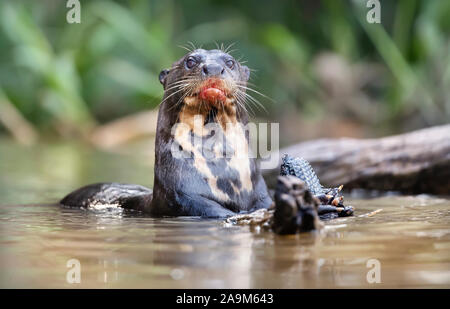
(190, 62)
(230, 64)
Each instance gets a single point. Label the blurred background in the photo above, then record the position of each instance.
(327, 71)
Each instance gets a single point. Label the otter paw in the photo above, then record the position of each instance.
(295, 207)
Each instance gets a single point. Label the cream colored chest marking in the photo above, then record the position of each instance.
(239, 156)
(182, 136)
(235, 136)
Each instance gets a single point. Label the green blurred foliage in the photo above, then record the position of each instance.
(78, 75)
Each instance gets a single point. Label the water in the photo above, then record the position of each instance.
(410, 236)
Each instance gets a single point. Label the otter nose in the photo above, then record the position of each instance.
(213, 69)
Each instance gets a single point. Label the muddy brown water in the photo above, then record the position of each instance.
(409, 237)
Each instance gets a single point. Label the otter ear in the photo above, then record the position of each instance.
(162, 76)
(245, 72)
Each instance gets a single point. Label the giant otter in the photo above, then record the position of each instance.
(202, 162)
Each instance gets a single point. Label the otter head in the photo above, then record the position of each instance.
(206, 79)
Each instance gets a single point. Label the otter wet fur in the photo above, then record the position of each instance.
(203, 165)
(202, 162)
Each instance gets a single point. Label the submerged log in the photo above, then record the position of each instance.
(415, 162)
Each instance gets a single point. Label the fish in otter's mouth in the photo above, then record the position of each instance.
(213, 90)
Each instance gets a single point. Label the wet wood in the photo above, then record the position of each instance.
(415, 162)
